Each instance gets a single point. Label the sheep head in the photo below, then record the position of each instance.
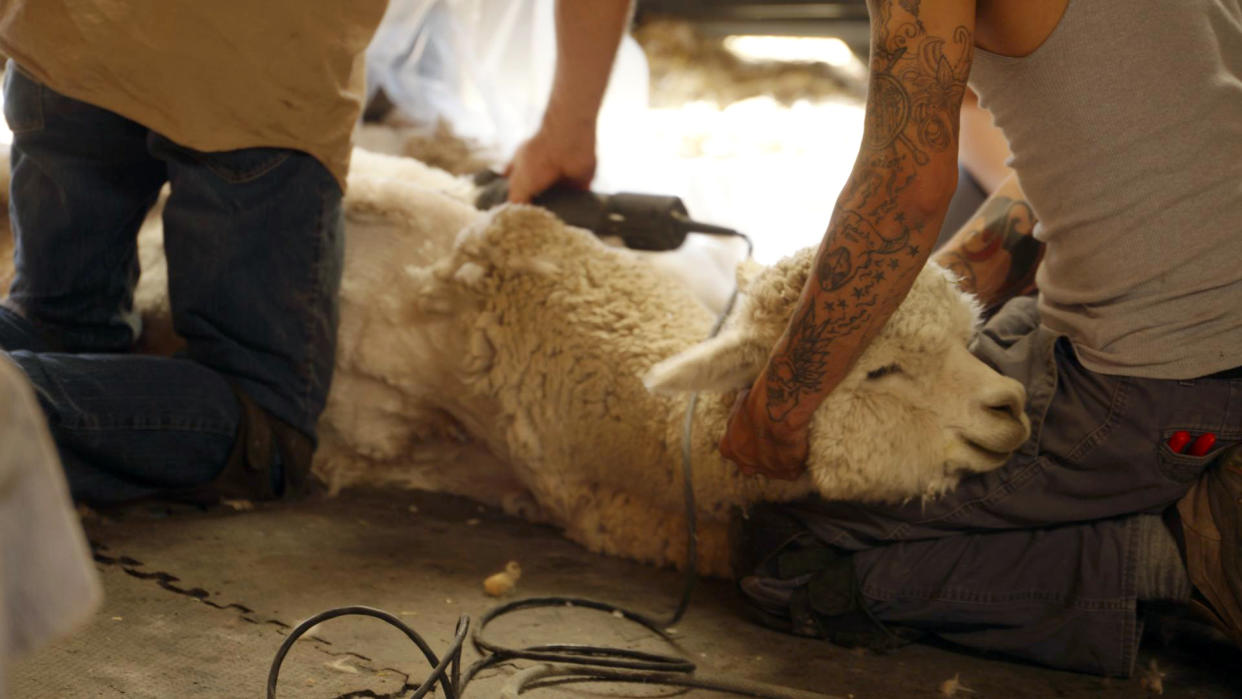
(915, 413)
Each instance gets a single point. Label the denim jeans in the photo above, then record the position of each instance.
(1038, 559)
(254, 244)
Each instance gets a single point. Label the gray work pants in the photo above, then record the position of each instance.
(1038, 558)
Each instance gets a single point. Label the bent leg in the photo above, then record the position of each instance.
(254, 240)
(129, 426)
(82, 181)
(1061, 596)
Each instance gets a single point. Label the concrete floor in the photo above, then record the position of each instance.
(198, 602)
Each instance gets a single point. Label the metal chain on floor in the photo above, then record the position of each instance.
(570, 663)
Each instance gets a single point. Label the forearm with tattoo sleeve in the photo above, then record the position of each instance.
(994, 254)
(880, 234)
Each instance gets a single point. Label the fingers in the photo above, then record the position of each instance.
(531, 171)
(544, 160)
(529, 178)
(785, 474)
(521, 187)
(520, 191)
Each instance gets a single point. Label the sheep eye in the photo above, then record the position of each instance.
(883, 371)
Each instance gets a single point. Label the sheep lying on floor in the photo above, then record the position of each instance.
(534, 339)
(502, 356)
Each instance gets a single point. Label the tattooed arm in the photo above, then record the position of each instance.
(880, 234)
(994, 253)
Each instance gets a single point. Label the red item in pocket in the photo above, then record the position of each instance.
(1178, 441)
(1202, 445)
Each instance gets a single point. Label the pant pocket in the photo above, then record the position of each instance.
(23, 100)
(243, 165)
(1185, 468)
(232, 166)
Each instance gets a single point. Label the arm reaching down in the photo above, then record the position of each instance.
(994, 254)
(587, 37)
(881, 231)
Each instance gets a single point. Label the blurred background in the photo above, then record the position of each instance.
(749, 111)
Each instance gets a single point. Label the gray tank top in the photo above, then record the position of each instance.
(1126, 132)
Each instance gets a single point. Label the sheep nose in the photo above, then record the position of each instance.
(1008, 401)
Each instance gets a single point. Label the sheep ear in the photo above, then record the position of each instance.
(724, 363)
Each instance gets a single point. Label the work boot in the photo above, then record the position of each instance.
(793, 582)
(270, 460)
(1211, 526)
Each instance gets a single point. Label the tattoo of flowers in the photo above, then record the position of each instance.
(938, 86)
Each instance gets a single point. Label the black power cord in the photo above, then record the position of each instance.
(566, 663)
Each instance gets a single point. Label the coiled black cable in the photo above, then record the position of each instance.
(566, 663)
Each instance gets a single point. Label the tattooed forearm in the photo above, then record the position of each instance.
(802, 369)
(878, 237)
(996, 257)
